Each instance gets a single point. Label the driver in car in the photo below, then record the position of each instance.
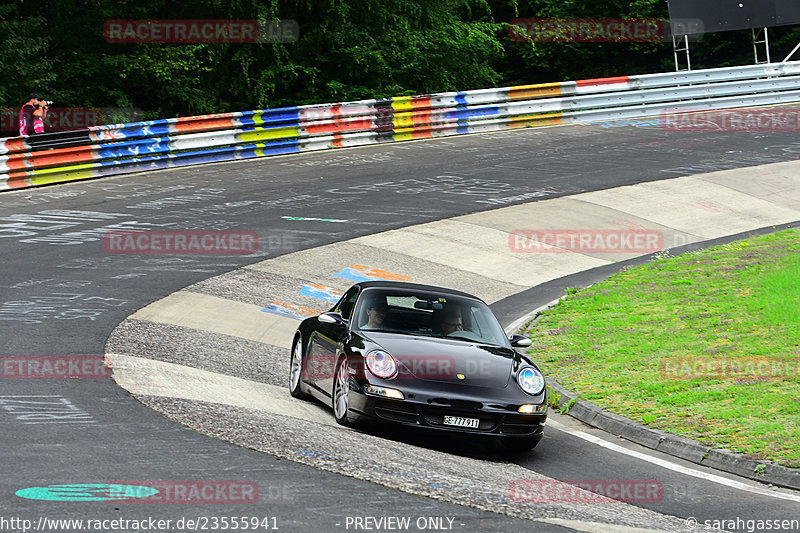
(376, 312)
(451, 322)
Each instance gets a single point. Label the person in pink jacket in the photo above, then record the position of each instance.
(32, 115)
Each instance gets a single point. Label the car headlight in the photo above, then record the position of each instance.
(531, 380)
(381, 364)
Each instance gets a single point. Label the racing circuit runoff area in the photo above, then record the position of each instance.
(202, 338)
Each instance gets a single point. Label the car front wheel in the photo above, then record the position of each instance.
(341, 392)
(296, 369)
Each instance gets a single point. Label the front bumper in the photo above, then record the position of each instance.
(497, 418)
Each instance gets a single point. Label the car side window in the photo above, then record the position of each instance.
(346, 304)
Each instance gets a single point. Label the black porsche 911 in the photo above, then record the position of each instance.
(421, 356)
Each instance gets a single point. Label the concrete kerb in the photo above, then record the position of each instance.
(675, 445)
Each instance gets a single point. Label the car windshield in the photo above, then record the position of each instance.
(428, 314)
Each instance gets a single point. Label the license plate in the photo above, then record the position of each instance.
(461, 421)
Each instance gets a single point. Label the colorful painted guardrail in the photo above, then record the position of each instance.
(126, 148)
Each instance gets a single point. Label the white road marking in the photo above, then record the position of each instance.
(673, 466)
(594, 527)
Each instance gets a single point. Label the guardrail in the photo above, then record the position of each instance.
(126, 148)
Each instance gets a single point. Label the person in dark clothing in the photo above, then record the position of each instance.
(31, 116)
(451, 322)
(375, 311)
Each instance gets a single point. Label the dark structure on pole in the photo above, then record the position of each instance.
(695, 17)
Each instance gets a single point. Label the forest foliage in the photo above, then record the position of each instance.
(346, 50)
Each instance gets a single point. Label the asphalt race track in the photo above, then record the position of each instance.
(63, 293)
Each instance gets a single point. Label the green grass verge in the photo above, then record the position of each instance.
(705, 345)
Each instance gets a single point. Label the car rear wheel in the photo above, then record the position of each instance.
(520, 444)
(341, 392)
(296, 369)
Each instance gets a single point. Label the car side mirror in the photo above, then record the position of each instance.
(520, 341)
(332, 318)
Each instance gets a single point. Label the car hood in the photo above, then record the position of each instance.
(445, 360)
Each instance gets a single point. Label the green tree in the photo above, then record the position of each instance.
(561, 61)
(364, 49)
(346, 50)
(24, 64)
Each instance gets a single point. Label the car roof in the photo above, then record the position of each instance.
(414, 287)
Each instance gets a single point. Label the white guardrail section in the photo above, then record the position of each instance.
(124, 148)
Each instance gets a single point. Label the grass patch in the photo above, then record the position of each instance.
(705, 345)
